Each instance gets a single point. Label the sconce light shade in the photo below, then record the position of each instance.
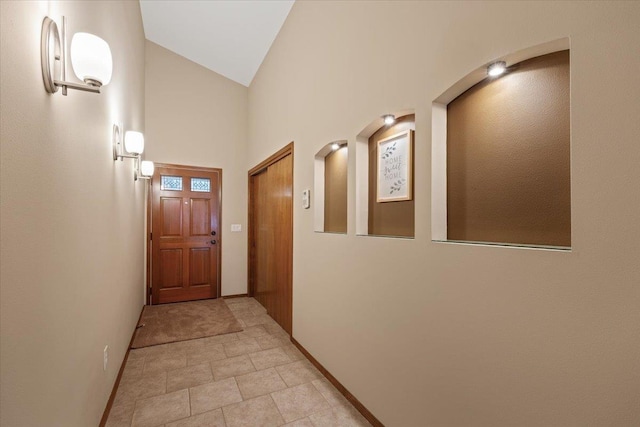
(91, 59)
(146, 168)
(134, 142)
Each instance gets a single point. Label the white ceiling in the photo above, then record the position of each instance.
(230, 37)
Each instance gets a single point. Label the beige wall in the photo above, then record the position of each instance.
(445, 334)
(72, 219)
(199, 118)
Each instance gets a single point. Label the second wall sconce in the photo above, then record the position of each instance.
(90, 58)
(132, 148)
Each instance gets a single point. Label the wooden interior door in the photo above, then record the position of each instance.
(185, 238)
(271, 235)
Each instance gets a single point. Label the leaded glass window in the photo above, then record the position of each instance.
(202, 185)
(168, 182)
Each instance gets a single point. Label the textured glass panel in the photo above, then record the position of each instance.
(168, 182)
(202, 185)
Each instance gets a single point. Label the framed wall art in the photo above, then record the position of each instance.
(395, 168)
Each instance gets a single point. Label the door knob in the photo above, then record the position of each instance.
(213, 242)
(213, 233)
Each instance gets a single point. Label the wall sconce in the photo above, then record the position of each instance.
(144, 169)
(134, 147)
(90, 58)
(133, 144)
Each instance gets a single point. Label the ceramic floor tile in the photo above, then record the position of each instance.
(264, 362)
(342, 416)
(121, 414)
(236, 348)
(165, 362)
(220, 339)
(241, 310)
(333, 396)
(299, 372)
(136, 354)
(305, 422)
(293, 352)
(258, 310)
(155, 351)
(188, 377)
(260, 411)
(274, 329)
(270, 341)
(231, 367)
(208, 419)
(161, 409)
(189, 346)
(133, 368)
(214, 395)
(269, 358)
(253, 332)
(205, 354)
(147, 385)
(260, 319)
(238, 300)
(259, 383)
(299, 402)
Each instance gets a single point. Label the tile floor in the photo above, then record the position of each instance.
(251, 378)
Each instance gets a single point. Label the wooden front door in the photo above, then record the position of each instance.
(271, 235)
(185, 238)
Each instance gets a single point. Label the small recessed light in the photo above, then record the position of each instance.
(497, 68)
(389, 119)
(335, 146)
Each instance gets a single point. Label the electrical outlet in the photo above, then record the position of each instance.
(236, 227)
(105, 359)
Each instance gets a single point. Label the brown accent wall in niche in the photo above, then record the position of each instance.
(392, 218)
(508, 157)
(335, 191)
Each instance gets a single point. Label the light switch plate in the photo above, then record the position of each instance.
(236, 227)
(306, 198)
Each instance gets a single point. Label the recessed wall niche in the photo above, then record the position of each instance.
(330, 188)
(384, 178)
(501, 154)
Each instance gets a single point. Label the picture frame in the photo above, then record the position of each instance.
(394, 174)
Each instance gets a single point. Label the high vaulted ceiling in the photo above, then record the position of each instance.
(230, 37)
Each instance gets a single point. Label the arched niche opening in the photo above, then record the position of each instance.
(501, 153)
(385, 177)
(331, 165)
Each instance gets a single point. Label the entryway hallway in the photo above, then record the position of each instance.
(256, 377)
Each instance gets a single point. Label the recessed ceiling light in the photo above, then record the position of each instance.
(389, 119)
(497, 68)
(335, 146)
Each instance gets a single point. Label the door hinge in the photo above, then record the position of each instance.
(150, 236)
